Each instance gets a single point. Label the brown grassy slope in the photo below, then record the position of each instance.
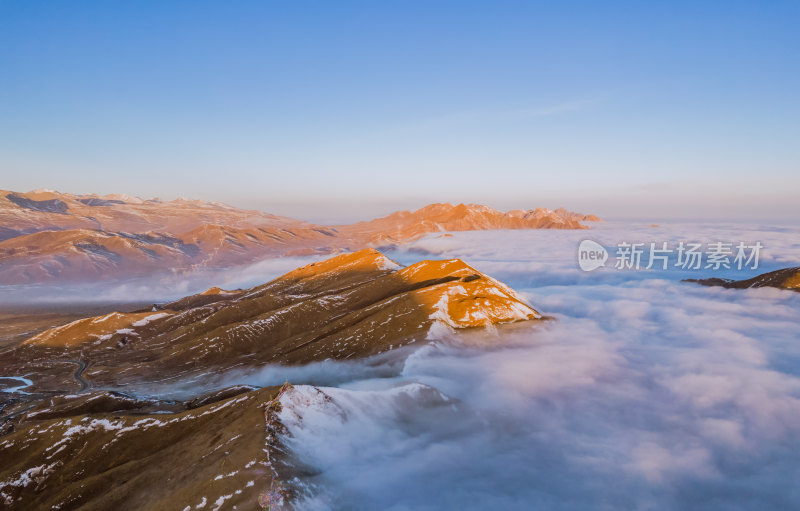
(133, 459)
(353, 305)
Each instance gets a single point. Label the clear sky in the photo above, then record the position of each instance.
(344, 109)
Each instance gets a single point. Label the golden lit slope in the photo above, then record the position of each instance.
(353, 305)
(95, 329)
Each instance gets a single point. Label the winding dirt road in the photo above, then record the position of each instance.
(78, 375)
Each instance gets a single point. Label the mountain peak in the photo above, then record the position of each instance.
(409, 225)
(354, 304)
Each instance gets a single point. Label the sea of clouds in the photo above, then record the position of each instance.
(645, 392)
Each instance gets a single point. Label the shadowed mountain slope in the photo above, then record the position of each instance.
(129, 454)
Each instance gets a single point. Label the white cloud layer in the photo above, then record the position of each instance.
(646, 393)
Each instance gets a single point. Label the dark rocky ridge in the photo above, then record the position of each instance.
(787, 278)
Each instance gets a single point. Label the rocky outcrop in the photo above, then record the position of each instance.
(787, 278)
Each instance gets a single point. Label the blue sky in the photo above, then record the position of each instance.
(347, 109)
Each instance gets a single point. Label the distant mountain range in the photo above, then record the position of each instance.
(47, 236)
